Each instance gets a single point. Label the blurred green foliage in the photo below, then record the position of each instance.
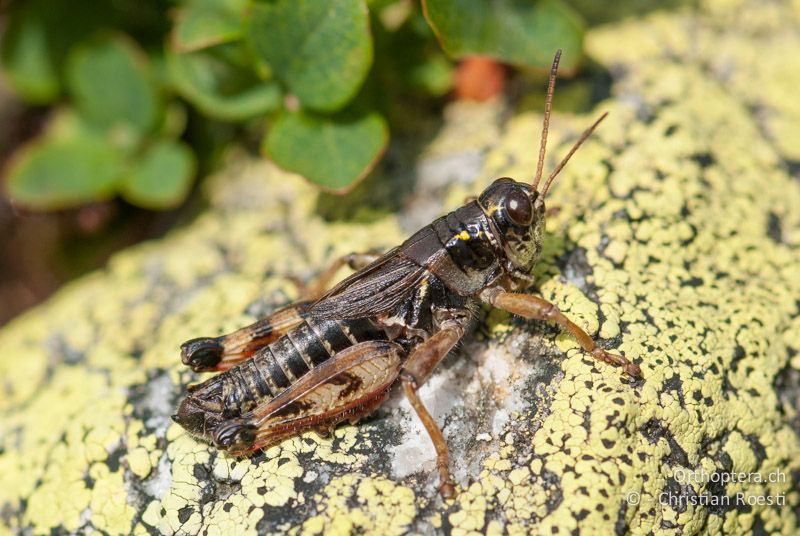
(315, 79)
(519, 32)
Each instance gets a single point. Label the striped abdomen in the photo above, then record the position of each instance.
(277, 366)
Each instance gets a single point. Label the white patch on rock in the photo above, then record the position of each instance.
(464, 378)
(160, 480)
(416, 452)
(85, 517)
(158, 400)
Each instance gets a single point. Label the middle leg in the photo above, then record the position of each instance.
(416, 370)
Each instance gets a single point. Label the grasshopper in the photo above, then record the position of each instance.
(320, 361)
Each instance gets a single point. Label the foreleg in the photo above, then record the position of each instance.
(541, 309)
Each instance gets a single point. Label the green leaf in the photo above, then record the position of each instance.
(111, 82)
(38, 36)
(204, 23)
(220, 88)
(176, 117)
(416, 61)
(54, 174)
(334, 152)
(162, 176)
(66, 124)
(519, 32)
(432, 76)
(321, 50)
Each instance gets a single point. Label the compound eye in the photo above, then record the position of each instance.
(518, 207)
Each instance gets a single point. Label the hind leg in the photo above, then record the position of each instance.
(221, 353)
(348, 386)
(215, 354)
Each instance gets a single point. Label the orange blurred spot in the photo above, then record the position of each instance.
(479, 79)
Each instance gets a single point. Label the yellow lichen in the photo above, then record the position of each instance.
(679, 229)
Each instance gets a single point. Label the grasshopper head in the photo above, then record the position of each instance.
(517, 215)
(517, 209)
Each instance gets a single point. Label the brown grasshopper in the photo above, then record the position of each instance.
(321, 361)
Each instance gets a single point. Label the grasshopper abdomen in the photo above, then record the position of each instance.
(271, 370)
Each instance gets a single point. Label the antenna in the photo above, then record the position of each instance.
(548, 103)
(560, 166)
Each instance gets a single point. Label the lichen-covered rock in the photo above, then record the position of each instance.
(678, 243)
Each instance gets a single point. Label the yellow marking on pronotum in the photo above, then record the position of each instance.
(492, 210)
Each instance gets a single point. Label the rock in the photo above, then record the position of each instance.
(678, 241)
